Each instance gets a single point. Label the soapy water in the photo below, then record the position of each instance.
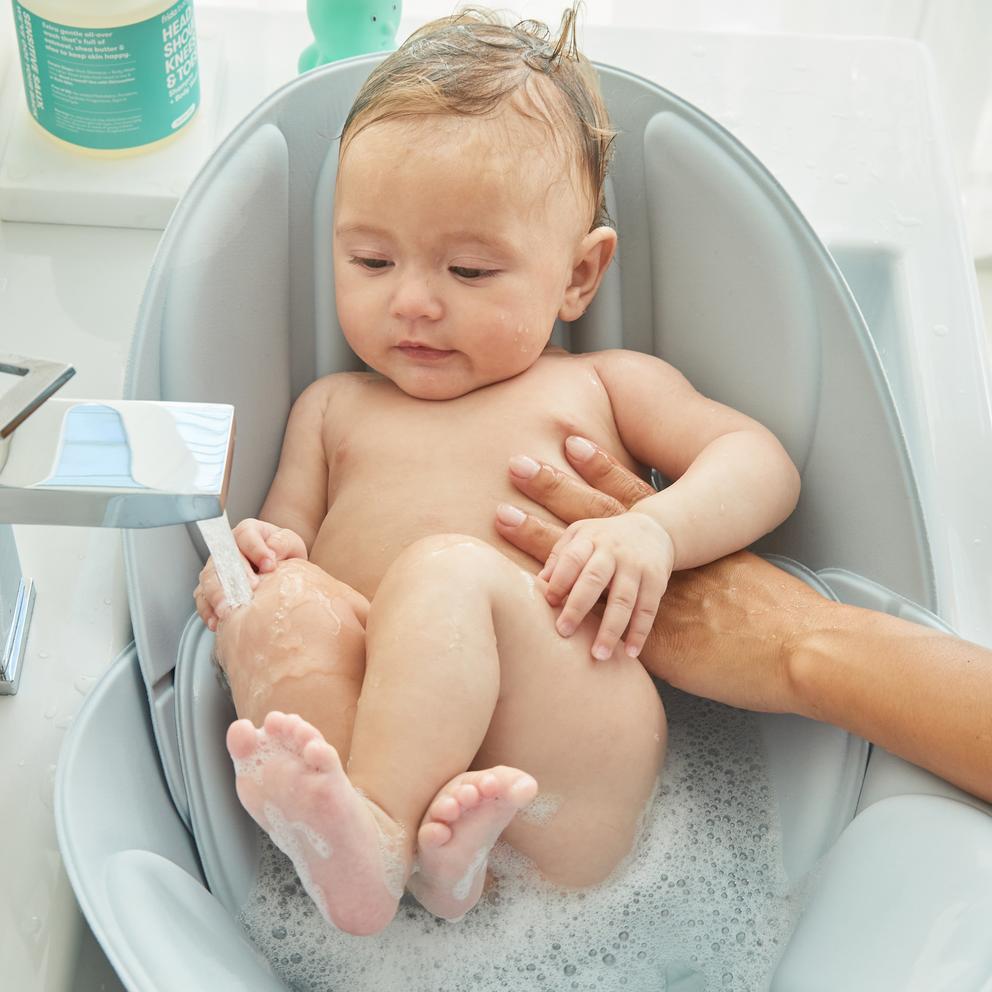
(227, 560)
(702, 903)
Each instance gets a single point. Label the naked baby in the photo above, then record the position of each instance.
(404, 680)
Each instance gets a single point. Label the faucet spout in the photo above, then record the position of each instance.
(118, 463)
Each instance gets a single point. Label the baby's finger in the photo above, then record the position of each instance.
(252, 545)
(620, 605)
(588, 587)
(204, 608)
(283, 544)
(644, 613)
(565, 569)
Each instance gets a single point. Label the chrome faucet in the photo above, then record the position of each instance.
(96, 463)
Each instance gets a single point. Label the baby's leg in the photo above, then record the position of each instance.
(465, 670)
(298, 647)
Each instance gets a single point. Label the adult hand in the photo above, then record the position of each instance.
(724, 630)
(741, 631)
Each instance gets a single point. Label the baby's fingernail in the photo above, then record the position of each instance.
(632, 651)
(601, 652)
(566, 628)
(508, 514)
(212, 623)
(523, 466)
(579, 447)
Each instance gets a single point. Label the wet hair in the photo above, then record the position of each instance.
(471, 63)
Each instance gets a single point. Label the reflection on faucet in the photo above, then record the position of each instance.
(118, 463)
(97, 463)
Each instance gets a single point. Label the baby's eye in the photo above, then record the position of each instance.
(467, 273)
(370, 263)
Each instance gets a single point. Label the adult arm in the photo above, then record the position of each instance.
(743, 632)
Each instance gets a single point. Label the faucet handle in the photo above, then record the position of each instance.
(39, 379)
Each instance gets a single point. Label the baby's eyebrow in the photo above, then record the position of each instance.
(490, 241)
(377, 232)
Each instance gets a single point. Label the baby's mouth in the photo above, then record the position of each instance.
(421, 352)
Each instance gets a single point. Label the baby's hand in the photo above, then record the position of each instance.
(261, 545)
(633, 555)
(264, 544)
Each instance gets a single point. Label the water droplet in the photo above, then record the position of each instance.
(51, 711)
(570, 969)
(609, 959)
(941, 330)
(106, 602)
(279, 933)
(842, 178)
(43, 654)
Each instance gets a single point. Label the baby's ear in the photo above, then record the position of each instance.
(594, 254)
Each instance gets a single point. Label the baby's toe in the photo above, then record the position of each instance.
(467, 795)
(432, 835)
(319, 755)
(276, 725)
(445, 809)
(242, 739)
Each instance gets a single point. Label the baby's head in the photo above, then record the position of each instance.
(470, 210)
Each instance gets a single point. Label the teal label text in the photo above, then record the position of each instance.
(110, 88)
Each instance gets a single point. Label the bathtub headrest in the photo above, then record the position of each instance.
(717, 272)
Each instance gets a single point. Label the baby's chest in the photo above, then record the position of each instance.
(476, 433)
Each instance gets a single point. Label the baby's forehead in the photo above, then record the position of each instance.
(513, 141)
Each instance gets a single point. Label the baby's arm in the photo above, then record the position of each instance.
(732, 483)
(294, 508)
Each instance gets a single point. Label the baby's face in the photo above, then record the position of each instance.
(454, 242)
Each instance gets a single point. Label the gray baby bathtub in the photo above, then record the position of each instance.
(718, 273)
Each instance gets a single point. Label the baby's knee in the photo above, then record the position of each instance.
(450, 554)
(295, 604)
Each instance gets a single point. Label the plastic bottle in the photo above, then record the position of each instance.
(109, 76)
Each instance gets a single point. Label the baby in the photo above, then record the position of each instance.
(432, 678)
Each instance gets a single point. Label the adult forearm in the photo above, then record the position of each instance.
(919, 693)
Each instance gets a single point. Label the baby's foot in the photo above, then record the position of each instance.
(458, 832)
(342, 846)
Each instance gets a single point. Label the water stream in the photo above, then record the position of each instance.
(227, 560)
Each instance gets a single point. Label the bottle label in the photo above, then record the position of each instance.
(110, 88)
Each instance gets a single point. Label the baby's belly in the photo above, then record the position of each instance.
(361, 536)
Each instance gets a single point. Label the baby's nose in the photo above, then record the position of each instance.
(416, 298)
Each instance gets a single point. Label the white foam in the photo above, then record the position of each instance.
(541, 810)
(704, 892)
(463, 886)
(265, 750)
(284, 835)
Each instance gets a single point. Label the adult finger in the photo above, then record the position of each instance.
(602, 471)
(568, 498)
(525, 531)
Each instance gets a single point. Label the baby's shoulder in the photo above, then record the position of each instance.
(609, 365)
(340, 387)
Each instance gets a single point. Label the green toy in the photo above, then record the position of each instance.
(343, 28)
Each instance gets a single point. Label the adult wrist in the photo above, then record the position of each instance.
(815, 655)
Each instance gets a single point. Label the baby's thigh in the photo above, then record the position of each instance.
(593, 734)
